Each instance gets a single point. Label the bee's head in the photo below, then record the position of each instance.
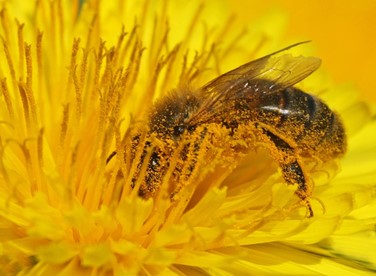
(170, 115)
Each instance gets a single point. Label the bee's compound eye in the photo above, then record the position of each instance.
(178, 130)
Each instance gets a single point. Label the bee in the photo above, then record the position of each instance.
(291, 123)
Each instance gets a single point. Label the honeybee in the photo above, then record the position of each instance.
(292, 124)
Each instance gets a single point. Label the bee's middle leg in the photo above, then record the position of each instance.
(291, 168)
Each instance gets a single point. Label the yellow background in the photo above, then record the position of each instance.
(343, 33)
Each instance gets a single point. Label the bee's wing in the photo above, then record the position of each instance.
(281, 71)
(286, 70)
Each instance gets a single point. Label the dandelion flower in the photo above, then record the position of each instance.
(78, 79)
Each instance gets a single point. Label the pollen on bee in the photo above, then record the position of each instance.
(175, 170)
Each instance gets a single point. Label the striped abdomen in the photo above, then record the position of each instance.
(303, 121)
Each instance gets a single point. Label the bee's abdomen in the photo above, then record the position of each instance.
(304, 120)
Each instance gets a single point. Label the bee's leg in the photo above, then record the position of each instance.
(293, 174)
(292, 170)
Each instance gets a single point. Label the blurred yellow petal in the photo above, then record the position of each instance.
(56, 253)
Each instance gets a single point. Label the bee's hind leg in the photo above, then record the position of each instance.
(293, 174)
(292, 171)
